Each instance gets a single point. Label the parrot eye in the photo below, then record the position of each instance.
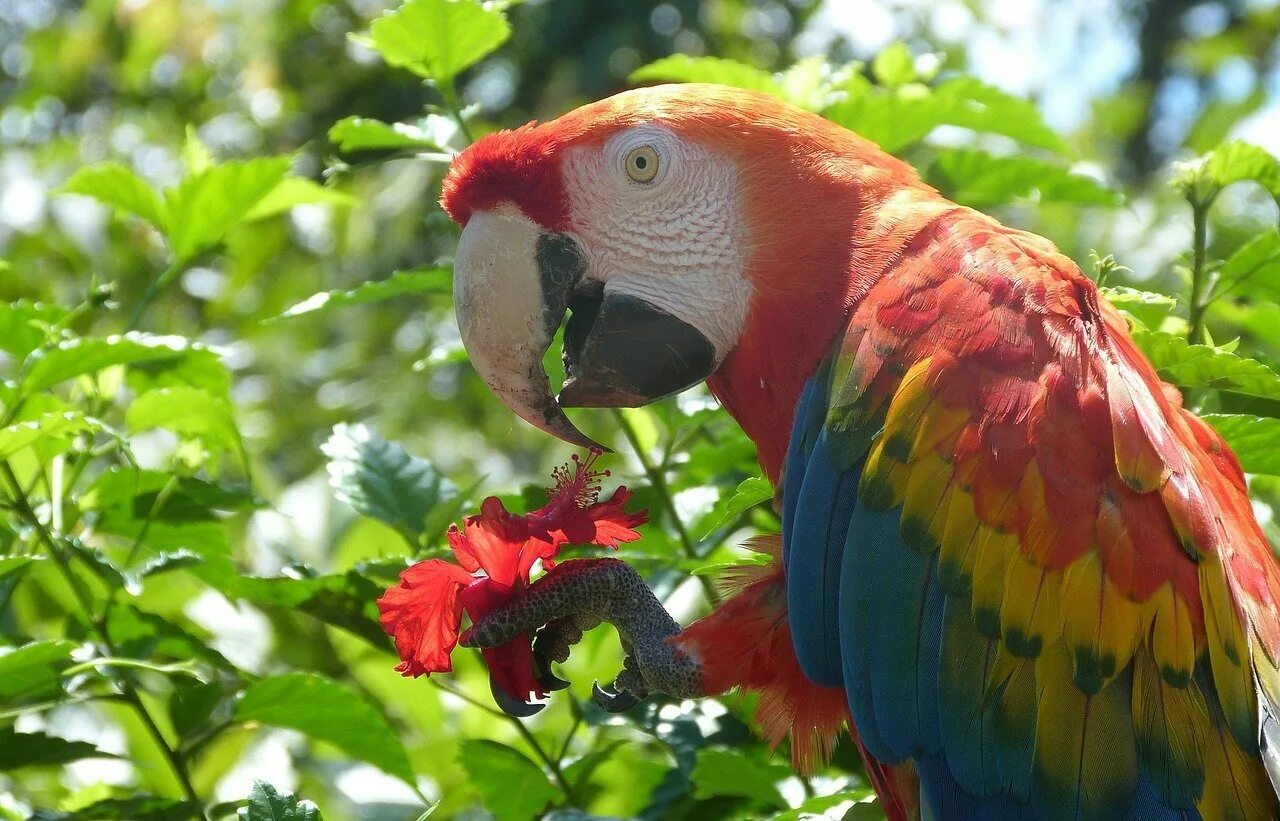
(642, 163)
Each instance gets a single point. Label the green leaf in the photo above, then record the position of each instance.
(511, 785)
(1204, 366)
(325, 710)
(1240, 161)
(294, 191)
(52, 430)
(136, 808)
(78, 357)
(188, 412)
(400, 283)
(437, 39)
(380, 479)
(119, 187)
(894, 66)
(23, 326)
(1254, 269)
(721, 771)
(1147, 307)
(900, 117)
(11, 565)
(191, 705)
(196, 157)
(135, 492)
(347, 600)
(34, 668)
(681, 68)
(750, 493)
(266, 804)
(352, 134)
(40, 750)
(148, 636)
(970, 103)
(980, 180)
(818, 806)
(205, 206)
(1254, 439)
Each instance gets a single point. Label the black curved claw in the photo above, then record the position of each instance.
(512, 706)
(612, 702)
(547, 680)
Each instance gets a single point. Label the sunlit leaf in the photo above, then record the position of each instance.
(140, 807)
(1147, 307)
(1240, 161)
(188, 412)
(119, 187)
(294, 191)
(12, 565)
(683, 68)
(970, 103)
(266, 804)
(192, 703)
(51, 430)
(37, 749)
(327, 711)
(401, 283)
(353, 134)
(346, 600)
(978, 179)
(1204, 366)
(437, 39)
(205, 206)
(1255, 440)
(77, 357)
(382, 480)
(1254, 269)
(894, 66)
(34, 668)
(747, 495)
(722, 771)
(22, 325)
(820, 806)
(142, 635)
(900, 117)
(511, 785)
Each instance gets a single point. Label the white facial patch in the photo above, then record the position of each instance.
(676, 241)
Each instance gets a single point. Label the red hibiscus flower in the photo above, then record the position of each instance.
(496, 551)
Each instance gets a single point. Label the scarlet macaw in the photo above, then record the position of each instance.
(1032, 579)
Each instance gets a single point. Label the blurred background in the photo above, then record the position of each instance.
(1132, 87)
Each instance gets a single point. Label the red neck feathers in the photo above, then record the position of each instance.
(816, 197)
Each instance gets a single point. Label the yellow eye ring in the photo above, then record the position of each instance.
(642, 163)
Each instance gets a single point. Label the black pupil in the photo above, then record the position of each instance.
(641, 163)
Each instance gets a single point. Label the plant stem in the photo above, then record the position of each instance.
(659, 483)
(128, 692)
(1199, 248)
(450, 97)
(551, 764)
(157, 285)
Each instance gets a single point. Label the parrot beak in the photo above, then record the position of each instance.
(513, 283)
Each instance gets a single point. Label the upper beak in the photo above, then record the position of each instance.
(513, 283)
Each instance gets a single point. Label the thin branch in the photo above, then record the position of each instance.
(128, 693)
(554, 766)
(659, 482)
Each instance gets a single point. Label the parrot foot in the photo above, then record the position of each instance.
(579, 595)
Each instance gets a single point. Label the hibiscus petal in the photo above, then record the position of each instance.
(491, 541)
(510, 663)
(604, 523)
(423, 614)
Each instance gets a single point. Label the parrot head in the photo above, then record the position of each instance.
(692, 232)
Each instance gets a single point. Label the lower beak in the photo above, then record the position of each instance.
(513, 283)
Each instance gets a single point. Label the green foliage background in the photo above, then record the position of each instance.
(234, 403)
